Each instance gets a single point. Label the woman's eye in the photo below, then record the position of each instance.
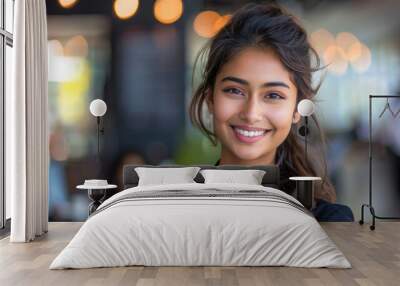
(273, 95)
(233, 90)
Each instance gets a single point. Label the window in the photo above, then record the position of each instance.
(6, 44)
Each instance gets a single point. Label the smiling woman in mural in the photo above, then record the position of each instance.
(258, 67)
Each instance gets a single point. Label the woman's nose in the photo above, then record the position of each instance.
(251, 111)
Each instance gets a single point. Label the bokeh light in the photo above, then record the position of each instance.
(55, 48)
(363, 62)
(221, 22)
(349, 43)
(204, 23)
(67, 3)
(168, 11)
(354, 52)
(340, 51)
(335, 57)
(321, 40)
(125, 9)
(77, 46)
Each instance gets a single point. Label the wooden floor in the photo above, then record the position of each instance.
(375, 256)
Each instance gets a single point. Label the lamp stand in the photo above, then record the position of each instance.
(305, 139)
(98, 139)
(303, 131)
(100, 130)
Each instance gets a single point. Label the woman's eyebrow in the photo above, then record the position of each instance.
(244, 82)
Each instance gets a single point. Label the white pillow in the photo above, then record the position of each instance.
(162, 176)
(248, 177)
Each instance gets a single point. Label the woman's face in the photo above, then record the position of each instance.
(253, 106)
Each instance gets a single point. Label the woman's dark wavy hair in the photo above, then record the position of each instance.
(267, 26)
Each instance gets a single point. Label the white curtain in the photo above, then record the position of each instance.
(27, 157)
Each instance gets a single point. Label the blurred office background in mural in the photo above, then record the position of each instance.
(138, 56)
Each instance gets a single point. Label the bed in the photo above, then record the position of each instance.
(201, 224)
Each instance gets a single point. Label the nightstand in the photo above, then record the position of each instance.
(305, 190)
(96, 195)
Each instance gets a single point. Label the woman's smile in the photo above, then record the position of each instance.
(248, 134)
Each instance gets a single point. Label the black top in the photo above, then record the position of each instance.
(285, 171)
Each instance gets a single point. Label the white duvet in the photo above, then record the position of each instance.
(183, 231)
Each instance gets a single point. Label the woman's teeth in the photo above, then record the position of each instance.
(249, 133)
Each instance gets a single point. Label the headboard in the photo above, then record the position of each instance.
(270, 179)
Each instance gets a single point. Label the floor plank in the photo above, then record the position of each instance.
(374, 255)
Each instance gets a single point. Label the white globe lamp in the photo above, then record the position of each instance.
(306, 107)
(98, 107)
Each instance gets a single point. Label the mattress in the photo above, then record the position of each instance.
(201, 225)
